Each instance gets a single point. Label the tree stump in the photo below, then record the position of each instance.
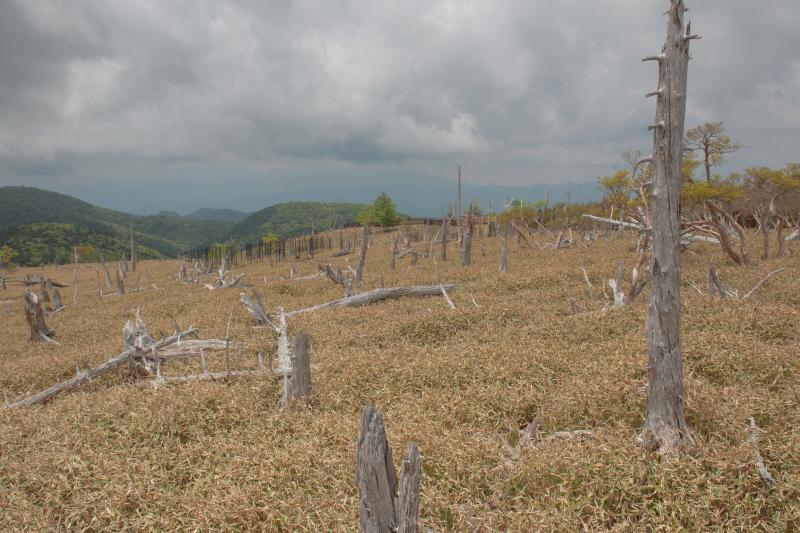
(381, 507)
(34, 315)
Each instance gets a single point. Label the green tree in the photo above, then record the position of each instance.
(382, 212)
(711, 140)
(270, 239)
(7, 255)
(616, 189)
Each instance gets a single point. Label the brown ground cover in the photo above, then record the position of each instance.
(460, 383)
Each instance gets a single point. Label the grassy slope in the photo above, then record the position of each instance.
(294, 218)
(459, 382)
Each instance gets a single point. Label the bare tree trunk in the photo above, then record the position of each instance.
(133, 252)
(363, 257)
(466, 243)
(764, 217)
(665, 427)
(779, 230)
(445, 231)
(75, 279)
(504, 255)
(120, 283)
(393, 258)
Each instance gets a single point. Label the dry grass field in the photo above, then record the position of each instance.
(461, 383)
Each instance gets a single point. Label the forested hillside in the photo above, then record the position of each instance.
(294, 218)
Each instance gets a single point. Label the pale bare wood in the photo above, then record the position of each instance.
(90, 373)
(300, 383)
(665, 426)
(754, 438)
(359, 281)
(407, 501)
(760, 283)
(503, 255)
(34, 315)
(376, 295)
(375, 475)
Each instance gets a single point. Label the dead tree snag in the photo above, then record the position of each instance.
(665, 427)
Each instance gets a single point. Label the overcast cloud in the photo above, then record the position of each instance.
(148, 105)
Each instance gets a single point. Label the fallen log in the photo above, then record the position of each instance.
(342, 252)
(90, 373)
(377, 295)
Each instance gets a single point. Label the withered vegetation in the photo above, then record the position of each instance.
(461, 383)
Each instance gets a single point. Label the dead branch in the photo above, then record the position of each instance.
(91, 373)
(376, 295)
(754, 438)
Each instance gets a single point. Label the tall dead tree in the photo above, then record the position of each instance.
(504, 255)
(75, 279)
(466, 242)
(445, 231)
(363, 257)
(133, 252)
(665, 427)
(393, 252)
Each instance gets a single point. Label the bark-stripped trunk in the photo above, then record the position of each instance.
(665, 427)
(466, 243)
(362, 258)
(445, 230)
(133, 252)
(504, 255)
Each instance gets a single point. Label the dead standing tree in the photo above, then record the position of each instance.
(383, 503)
(665, 427)
(34, 315)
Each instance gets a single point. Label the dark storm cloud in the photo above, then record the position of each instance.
(518, 91)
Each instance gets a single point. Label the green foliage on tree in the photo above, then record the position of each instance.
(38, 244)
(270, 239)
(7, 255)
(384, 212)
(710, 140)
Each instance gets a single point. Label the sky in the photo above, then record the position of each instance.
(147, 105)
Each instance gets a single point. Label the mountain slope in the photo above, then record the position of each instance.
(221, 215)
(294, 218)
(166, 235)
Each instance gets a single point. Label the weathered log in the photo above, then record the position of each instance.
(91, 373)
(342, 252)
(618, 223)
(381, 506)
(34, 315)
(754, 438)
(375, 295)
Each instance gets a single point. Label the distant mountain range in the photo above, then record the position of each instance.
(44, 226)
